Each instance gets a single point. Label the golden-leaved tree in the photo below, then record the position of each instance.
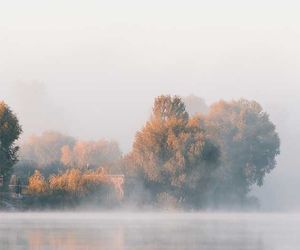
(172, 153)
(92, 154)
(45, 149)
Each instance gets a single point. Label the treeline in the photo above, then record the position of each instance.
(205, 160)
(53, 152)
(72, 188)
(61, 171)
(183, 157)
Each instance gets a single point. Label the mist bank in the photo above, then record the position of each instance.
(187, 156)
(164, 230)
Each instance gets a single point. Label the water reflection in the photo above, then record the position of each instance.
(149, 231)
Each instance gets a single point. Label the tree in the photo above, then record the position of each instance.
(92, 154)
(172, 152)
(45, 149)
(249, 144)
(37, 184)
(10, 131)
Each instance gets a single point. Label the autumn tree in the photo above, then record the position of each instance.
(91, 154)
(72, 187)
(10, 131)
(45, 149)
(249, 144)
(172, 152)
(37, 184)
(77, 182)
(53, 152)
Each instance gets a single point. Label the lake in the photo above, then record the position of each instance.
(150, 231)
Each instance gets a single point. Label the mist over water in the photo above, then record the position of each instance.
(92, 111)
(42, 106)
(101, 66)
(91, 70)
(208, 231)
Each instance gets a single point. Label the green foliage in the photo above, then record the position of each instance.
(10, 131)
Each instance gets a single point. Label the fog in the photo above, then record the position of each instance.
(149, 231)
(92, 70)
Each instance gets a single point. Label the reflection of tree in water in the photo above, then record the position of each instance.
(76, 238)
(148, 232)
(12, 238)
(131, 235)
(190, 234)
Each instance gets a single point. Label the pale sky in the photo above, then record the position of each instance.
(92, 68)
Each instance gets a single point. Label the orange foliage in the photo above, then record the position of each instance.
(37, 183)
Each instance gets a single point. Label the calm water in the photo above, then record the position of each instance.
(149, 231)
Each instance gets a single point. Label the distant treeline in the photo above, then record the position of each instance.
(187, 156)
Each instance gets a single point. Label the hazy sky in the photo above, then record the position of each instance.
(92, 68)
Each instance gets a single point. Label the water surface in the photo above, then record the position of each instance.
(149, 231)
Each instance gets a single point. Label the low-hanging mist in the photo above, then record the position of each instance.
(187, 156)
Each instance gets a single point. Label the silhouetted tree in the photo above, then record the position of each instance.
(10, 131)
(249, 145)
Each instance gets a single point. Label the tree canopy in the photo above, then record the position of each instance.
(45, 149)
(248, 141)
(172, 151)
(10, 131)
(91, 154)
(208, 159)
(52, 152)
